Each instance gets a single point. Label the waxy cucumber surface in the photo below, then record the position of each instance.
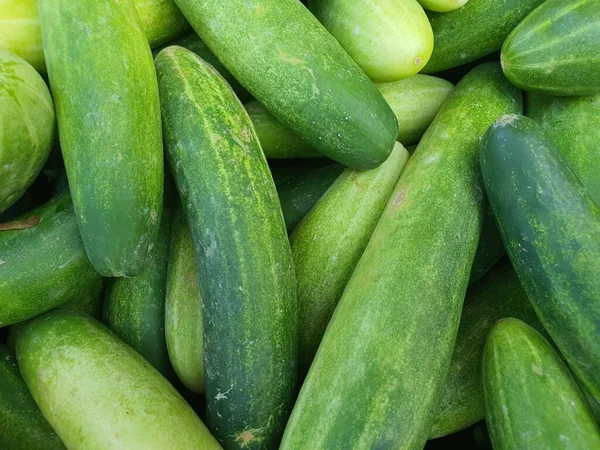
(442, 5)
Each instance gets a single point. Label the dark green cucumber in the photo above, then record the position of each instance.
(330, 240)
(299, 194)
(300, 74)
(286, 169)
(42, 261)
(532, 401)
(97, 392)
(473, 31)
(22, 425)
(88, 301)
(381, 365)
(555, 49)
(567, 120)
(245, 267)
(490, 248)
(161, 20)
(551, 231)
(105, 92)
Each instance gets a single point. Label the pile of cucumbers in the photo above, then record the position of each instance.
(322, 225)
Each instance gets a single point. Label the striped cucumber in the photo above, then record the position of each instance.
(442, 5)
(20, 31)
(381, 365)
(161, 20)
(245, 268)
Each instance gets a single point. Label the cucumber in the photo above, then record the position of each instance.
(286, 169)
(106, 95)
(550, 228)
(330, 240)
(442, 5)
(490, 248)
(245, 267)
(381, 365)
(42, 262)
(22, 425)
(183, 308)
(28, 126)
(97, 392)
(540, 54)
(89, 301)
(473, 31)
(390, 39)
(161, 20)
(497, 296)
(300, 74)
(531, 399)
(20, 31)
(567, 120)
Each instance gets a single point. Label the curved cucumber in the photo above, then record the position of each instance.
(442, 5)
(490, 248)
(20, 31)
(330, 240)
(245, 267)
(161, 20)
(309, 83)
(532, 400)
(550, 228)
(555, 49)
(390, 39)
(381, 365)
(78, 371)
(28, 125)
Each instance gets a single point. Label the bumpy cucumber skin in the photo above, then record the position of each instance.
(245, 267)
(567, 120)
(390, 39)
(97, 392)
(381, 365)
(106, 96)
(43, 266)
(28, 126)
(555, 49)
(549, 226)
(473, 31)
(490, 248)
(161, 20)
(183, 308)
(330, 240)
(22, 425)
(300, 74)
(532, 400)
(442, 5)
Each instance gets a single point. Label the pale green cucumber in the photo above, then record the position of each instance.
(161, 20)
(442, 5)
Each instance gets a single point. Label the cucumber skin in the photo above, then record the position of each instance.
(540, 53)
(89, 301)
(410, 312)
(532, 400)
(20, 31)
(330, 240)
(442, 5)
(77, 371)
(490, 248)
(43, 266)
(245, 267)
(567, 120)
(161, 20)
(327, 100)
(473, 31)
(549, 226)
(109, 126)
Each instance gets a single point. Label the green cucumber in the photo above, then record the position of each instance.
(161, 20)
(286, 169)
(531, 399)
(560, 35)
(183, 308)
(42, 262)
(89, 301)
(300, 74)
(330, 240)
(245, 267)
(567, 120)
(381, 365)
(22, 425)
(99, 393)
(497, 296)
(107, 105)
(20, 31)
(28, 126)
(473, 31)
(550, 228)
(490, 248)
(390, 39)
(442, 5)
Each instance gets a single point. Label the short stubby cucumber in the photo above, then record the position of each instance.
(555, 49)
(99, 393)
(330, 240)
(300, 73)
(531, 399)
(378, 373)
(20, 31)
(244, 262)
(28, 126)
(550, 228)
(390, 39)
(104, 86)
(490, 248)
(161, 20)
(442, 5)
